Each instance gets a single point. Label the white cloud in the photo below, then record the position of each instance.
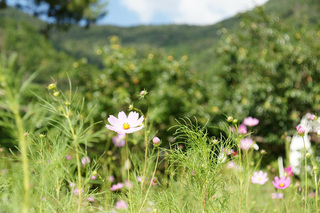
(197, 12)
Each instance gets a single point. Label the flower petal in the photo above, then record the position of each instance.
(134, 129)
(113, 121)
(133, 116)
(122, 117)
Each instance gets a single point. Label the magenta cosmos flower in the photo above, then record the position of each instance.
(85, 160)
(281, 183)
(124, 124)
(259, 177)
(116, 187)
(277, 195)
(300, 130)
(119, 140)
(246, 143)
(242, 129)
(121, 205)
(288, 171)
(250, 121)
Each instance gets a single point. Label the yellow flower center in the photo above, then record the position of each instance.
(281, 184)
(126, 126)
(259, 178)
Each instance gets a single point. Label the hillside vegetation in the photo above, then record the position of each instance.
(265, 59)
(170, 118)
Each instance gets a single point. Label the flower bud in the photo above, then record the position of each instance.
(42, 136)
(215, 141)
(263, 152)
(230, 119)
(315, 168)
(235, 121)
(56, 94)
(131, 107)
(156, 141)
(143, 92)
(308, 154)
(51, 86)
(301, 131)
(94, 173)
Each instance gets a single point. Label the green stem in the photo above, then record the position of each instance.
(74, 138)
(316, 184)
(154, 172)
(79, 178)
(130, 202)
(306, 176)
(25, 164)
(146, 144)
(42, 179)
(241, 178)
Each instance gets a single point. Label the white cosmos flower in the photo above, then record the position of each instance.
(124, 124)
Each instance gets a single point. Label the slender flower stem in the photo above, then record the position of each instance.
(42, 179)
(79, 178)
(154, 172)
(241, 177)
(127, 147)
(146, 144)
(25, 164)
(316, 184)
(306, 176)
(14, 106)
(75, 138)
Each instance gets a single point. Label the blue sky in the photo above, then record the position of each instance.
(194, 12)
(155, 12)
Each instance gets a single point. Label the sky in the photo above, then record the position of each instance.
(192, 12)
(155, 12)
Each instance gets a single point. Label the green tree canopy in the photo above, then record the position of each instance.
(62, 14)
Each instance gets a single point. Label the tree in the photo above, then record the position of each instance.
(273, 70)
(63, 13)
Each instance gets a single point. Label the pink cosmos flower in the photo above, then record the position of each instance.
(121, 205)
(128, 183)
(312, 194)
(116, 187)
(227, 151)
(111, 178)
(246, 143)
(85, 160)
(259, 177)
(124, 124)
(154, 181)
(313, 117)
(288, 171)
(277, 195)
(76, 191)
(281, 183)
(250, 121)
(90, 199)
(300, 130)
(242, 129)
(233, 165)
(93, 177)
(68, 157)
(119, 140)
